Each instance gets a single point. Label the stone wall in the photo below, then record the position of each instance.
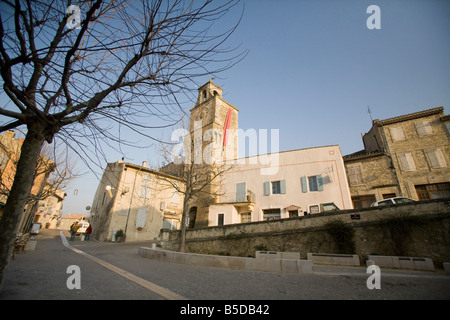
(420, 229)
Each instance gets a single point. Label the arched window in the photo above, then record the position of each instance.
(192, 216)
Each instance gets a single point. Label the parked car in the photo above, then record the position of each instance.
(35, 227)
(83, 227)
(391, 201)
(323, 207)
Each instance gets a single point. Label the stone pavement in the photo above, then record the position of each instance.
(111, 271)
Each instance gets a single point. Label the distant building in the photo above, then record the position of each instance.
(49, 210)
(67, 220)
(10, 149)
(404, 156)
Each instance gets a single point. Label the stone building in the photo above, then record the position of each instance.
(49, 210)
(65, 222)
(10, 148)
(404, 156)
(137, 200)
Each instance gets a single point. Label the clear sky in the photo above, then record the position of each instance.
(314, 67)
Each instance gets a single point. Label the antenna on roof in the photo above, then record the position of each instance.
(370, 113)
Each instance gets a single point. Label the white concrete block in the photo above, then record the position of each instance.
(304, 266)
(290, 255)
(447, 268)
(289, 265)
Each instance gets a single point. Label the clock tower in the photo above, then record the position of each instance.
(213, 125)
(214, 139)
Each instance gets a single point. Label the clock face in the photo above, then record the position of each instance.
(204, 114)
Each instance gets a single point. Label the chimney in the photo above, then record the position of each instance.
(10, 134)
(144, 164)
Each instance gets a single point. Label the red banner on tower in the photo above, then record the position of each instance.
(226, 127)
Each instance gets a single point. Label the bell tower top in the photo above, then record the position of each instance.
(208, 90)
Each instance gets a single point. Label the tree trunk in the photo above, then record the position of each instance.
(183, 226)
(21, 188)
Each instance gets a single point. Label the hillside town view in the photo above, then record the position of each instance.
(131, 169)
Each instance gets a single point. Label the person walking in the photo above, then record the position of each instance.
(73, 230)
(88, 232)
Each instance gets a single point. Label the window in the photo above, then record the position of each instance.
(397, 134)
(436, 158)
(385, 203)
(274, 187)
(354, 174)
(447, 125)
(315, 183)
(141, 218)
(407, 162)
(364, 201)
(403, 200)
(246, 217)
(171, 224)
(293, 213)
(271, 214)
(174, 200)
(144, 192)
(433, 191)
(424, 128)
(329, 207)
(220, 219)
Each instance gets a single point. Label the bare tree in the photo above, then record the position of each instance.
(201, 182)
(72, 72)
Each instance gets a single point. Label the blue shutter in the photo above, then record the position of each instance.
(267, 188)
(319, 182)
(282, 186)
(304, 184)
(241, 192)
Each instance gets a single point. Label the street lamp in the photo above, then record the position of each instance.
(108, 188)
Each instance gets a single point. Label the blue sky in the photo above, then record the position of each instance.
(314, 67)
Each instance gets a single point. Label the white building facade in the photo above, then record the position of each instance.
(309, 180)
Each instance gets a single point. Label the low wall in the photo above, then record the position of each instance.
(334, 259)
(235, 263)
(414, 263)
(420, 229)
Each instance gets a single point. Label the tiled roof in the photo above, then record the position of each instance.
(74, 216)
(362, 155)
(411, 116)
